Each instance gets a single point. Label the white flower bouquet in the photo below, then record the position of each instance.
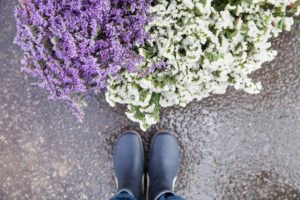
(202, 47)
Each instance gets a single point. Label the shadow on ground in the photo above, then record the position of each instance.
(234, 146)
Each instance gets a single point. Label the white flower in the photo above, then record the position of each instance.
(226, 20)
(298, 10)
(289, 21)
(188, 3)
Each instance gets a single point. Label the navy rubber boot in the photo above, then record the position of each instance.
(129, 164)
(163, 165)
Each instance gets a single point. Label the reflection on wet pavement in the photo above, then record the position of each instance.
(234, 146)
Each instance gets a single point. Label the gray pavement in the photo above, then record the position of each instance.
(234, 146)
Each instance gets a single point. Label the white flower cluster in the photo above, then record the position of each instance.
(206, 47)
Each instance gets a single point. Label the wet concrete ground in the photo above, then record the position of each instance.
(234, 146)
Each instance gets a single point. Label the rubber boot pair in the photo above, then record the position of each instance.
(162, 169)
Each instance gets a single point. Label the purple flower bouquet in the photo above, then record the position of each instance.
(73, 46)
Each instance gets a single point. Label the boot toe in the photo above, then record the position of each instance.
(164, 160)
(129, 163)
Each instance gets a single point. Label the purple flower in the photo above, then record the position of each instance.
(73, 46)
